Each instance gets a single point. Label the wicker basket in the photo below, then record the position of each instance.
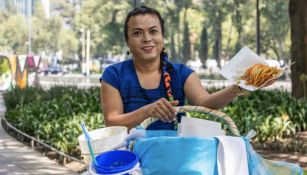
(232, 126)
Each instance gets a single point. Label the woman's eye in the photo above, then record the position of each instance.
(153, 31)
(137, 33)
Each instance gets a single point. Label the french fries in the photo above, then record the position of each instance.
(258, 74)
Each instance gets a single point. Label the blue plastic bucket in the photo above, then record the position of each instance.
(114, 162)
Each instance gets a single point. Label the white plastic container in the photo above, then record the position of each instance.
(136, 170)
(103, 139)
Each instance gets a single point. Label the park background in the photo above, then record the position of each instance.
(74, 40)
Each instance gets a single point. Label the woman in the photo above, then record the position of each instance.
(148, 85)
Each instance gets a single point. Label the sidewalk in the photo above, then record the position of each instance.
(18, 159)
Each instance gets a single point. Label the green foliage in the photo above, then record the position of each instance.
(230, 24)
(47, 33)
(105, 20)
(4, 66)
(272, 114)
(17, 97)
(275, 13)
(68, 42)
(54, 116)
(13, 33)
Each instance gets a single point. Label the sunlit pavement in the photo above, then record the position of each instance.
(18, 159)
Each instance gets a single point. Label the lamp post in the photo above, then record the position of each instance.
(258, 27)
(29, 26)
(88, 46)
(83, 69)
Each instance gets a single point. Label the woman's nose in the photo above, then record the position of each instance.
(146, 37)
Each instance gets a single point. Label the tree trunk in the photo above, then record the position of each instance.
(298, 20)
(203, 48)
(172, 46)
(218, 41)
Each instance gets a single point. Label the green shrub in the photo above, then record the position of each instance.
(271, 113)
(54, 116)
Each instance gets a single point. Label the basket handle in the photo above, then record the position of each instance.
(233, 128)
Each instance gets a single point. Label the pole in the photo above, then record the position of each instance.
(29, 26)
(82, 51)
(258, 27)
(88, 45)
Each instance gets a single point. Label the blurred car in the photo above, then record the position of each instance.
(53, 70)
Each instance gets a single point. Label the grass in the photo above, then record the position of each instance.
(305, 171)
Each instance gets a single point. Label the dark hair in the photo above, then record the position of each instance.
(142, 10)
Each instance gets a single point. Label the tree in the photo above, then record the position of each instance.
(274, 31)
(298, 18)
(203, 47)
(68, 43)
(186, 48)
(13, 34)
(237, 21)
(65, 9)
(54, 28)
(40, 33)
(217, 12)
(114, 29)
(97, 16)
(173, 53)
(171, 14)
(218, 38)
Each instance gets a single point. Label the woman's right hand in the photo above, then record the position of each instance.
(163, 110)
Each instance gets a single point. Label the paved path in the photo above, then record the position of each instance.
(18, 159)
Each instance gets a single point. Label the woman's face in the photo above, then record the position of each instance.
(145, 39)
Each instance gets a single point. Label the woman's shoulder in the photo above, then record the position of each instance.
(116, 72)
(120, 66)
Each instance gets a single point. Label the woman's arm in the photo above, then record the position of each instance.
(113, 109)
(197, 94)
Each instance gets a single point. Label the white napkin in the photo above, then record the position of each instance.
(231, 156)
(194, 127)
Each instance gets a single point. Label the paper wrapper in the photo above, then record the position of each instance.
(236, 67)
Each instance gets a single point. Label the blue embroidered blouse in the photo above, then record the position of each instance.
(123, 77)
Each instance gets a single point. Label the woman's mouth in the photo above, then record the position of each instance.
(147, 48)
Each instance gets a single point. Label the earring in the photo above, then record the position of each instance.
(128, 52)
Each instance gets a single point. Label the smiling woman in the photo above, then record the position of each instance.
(148, 85)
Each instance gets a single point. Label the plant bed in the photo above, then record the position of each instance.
(54, 117)
(296, 144)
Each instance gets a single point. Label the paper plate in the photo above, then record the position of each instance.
(236, 67)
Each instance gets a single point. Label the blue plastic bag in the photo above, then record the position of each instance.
(162, 152)
(166, 155)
